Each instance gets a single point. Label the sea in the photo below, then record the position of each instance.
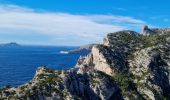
(18, 64)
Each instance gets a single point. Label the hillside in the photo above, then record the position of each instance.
(126, 66)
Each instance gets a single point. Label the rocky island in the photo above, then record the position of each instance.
(10, 44)
(126, 66)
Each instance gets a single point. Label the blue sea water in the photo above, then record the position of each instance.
(19, 63)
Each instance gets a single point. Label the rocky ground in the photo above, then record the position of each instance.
(126, 66)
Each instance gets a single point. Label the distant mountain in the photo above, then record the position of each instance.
(10, 44)
(85, 48)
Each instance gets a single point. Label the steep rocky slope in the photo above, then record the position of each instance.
(127, 65)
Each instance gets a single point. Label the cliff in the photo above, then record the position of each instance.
(126, 66)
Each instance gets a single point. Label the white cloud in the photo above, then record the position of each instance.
(21, 20)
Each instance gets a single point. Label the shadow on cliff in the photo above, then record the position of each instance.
(161, 75)
(80, 87)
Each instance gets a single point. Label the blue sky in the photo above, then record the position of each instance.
(76, 22)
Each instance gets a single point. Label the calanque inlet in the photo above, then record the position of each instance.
(126, 66)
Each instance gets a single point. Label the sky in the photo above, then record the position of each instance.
(76, 22)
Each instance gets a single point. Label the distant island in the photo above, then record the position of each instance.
(10, 44)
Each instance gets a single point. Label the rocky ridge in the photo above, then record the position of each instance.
(126, 66)
(151, 31)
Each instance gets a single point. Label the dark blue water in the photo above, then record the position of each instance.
(18, 64)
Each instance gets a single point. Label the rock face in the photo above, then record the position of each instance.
(126, 66)
(147, 31)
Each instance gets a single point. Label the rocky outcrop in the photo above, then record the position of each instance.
(153, 31)
(64, 85)
(102, 59)
(126, 66)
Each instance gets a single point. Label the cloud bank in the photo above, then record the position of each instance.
(60, 28)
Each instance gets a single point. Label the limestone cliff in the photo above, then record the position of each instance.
(126, 66)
